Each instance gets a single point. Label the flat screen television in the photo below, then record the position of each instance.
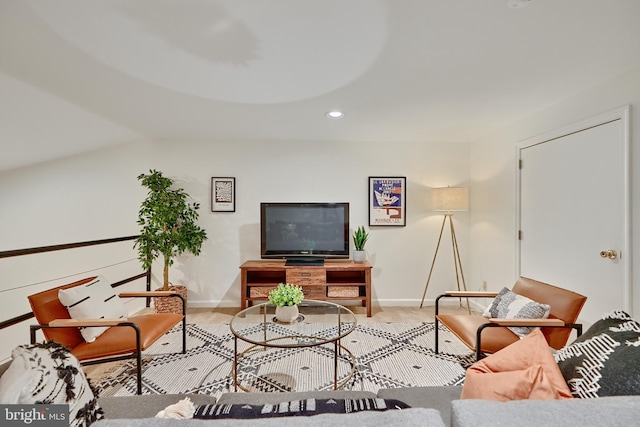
(304, 233)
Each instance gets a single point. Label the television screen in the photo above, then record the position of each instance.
(290, 230)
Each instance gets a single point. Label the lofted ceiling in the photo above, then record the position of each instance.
(77, 75)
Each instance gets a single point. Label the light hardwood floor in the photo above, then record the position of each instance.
(378, 314)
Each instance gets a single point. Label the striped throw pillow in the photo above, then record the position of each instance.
(93, 300)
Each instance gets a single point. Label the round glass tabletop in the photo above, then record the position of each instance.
(319, 322)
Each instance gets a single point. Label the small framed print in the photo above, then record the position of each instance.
(387, 200)
(223, 194)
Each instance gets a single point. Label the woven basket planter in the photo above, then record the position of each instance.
(170, 304)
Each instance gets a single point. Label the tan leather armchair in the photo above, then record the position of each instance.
(126, 338)
(488, 335)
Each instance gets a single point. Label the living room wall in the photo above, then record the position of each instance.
(493, 178)
(312, 172)
(96, 195)
(86, 197)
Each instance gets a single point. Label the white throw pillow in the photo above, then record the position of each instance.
(509, 305)
(93, 300)
(49, 374)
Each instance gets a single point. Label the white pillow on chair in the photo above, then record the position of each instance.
(93, 300)
(509, 305)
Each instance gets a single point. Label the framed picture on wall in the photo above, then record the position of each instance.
(387, 200)
(223, 194)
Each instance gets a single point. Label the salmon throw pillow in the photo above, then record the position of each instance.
(523, 370)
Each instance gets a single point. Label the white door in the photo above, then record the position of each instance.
(574, 222)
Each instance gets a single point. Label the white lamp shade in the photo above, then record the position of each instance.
(450, 199)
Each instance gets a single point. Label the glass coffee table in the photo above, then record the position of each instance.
(319, 323)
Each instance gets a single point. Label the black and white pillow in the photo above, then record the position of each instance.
(93, 300)
(509, 305)
(605, 360)
(49, 374)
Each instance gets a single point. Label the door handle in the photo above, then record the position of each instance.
(609, 253)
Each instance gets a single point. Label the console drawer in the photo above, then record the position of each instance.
(307, 277)
(314, 292)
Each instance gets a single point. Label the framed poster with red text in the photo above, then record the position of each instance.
(387, 200)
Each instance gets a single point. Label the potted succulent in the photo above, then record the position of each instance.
(286, 298)
(168, 226)
(360, 237)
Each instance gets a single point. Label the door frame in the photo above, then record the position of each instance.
(622, 114)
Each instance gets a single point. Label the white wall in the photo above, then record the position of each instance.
(493, 177)
(288, 171)
(36, 126)
(96, 195)
(87, 197)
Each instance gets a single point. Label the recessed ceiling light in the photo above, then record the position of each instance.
(335, 114)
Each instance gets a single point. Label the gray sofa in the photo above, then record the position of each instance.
(434, 411)
(140, 410)
(431, 406)
(125, 409)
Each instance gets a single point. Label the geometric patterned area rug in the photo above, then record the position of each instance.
(387, 355)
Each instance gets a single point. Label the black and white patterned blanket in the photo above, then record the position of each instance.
(303, 407)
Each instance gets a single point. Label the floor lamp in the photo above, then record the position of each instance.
(447, 200)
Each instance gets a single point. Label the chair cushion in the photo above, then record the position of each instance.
(120, 340)
(604, 360)
(95, 299)
(465, 326)
(49, 374)
(524, 370)
(509, 305)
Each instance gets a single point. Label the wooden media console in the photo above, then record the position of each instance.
(335, 280)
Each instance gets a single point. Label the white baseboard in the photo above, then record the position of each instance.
(213, 303)
(378, 303)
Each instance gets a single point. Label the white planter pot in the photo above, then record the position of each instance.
(286, 313)
(359, 256)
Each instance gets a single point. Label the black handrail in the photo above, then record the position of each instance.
(52, 248)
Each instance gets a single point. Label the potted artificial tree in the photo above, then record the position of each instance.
(360, 237)
(168, 222)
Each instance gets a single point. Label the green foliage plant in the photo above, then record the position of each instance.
(168, 223)
(286, 294)
(360, 237)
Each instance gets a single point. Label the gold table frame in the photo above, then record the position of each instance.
(302, 340)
